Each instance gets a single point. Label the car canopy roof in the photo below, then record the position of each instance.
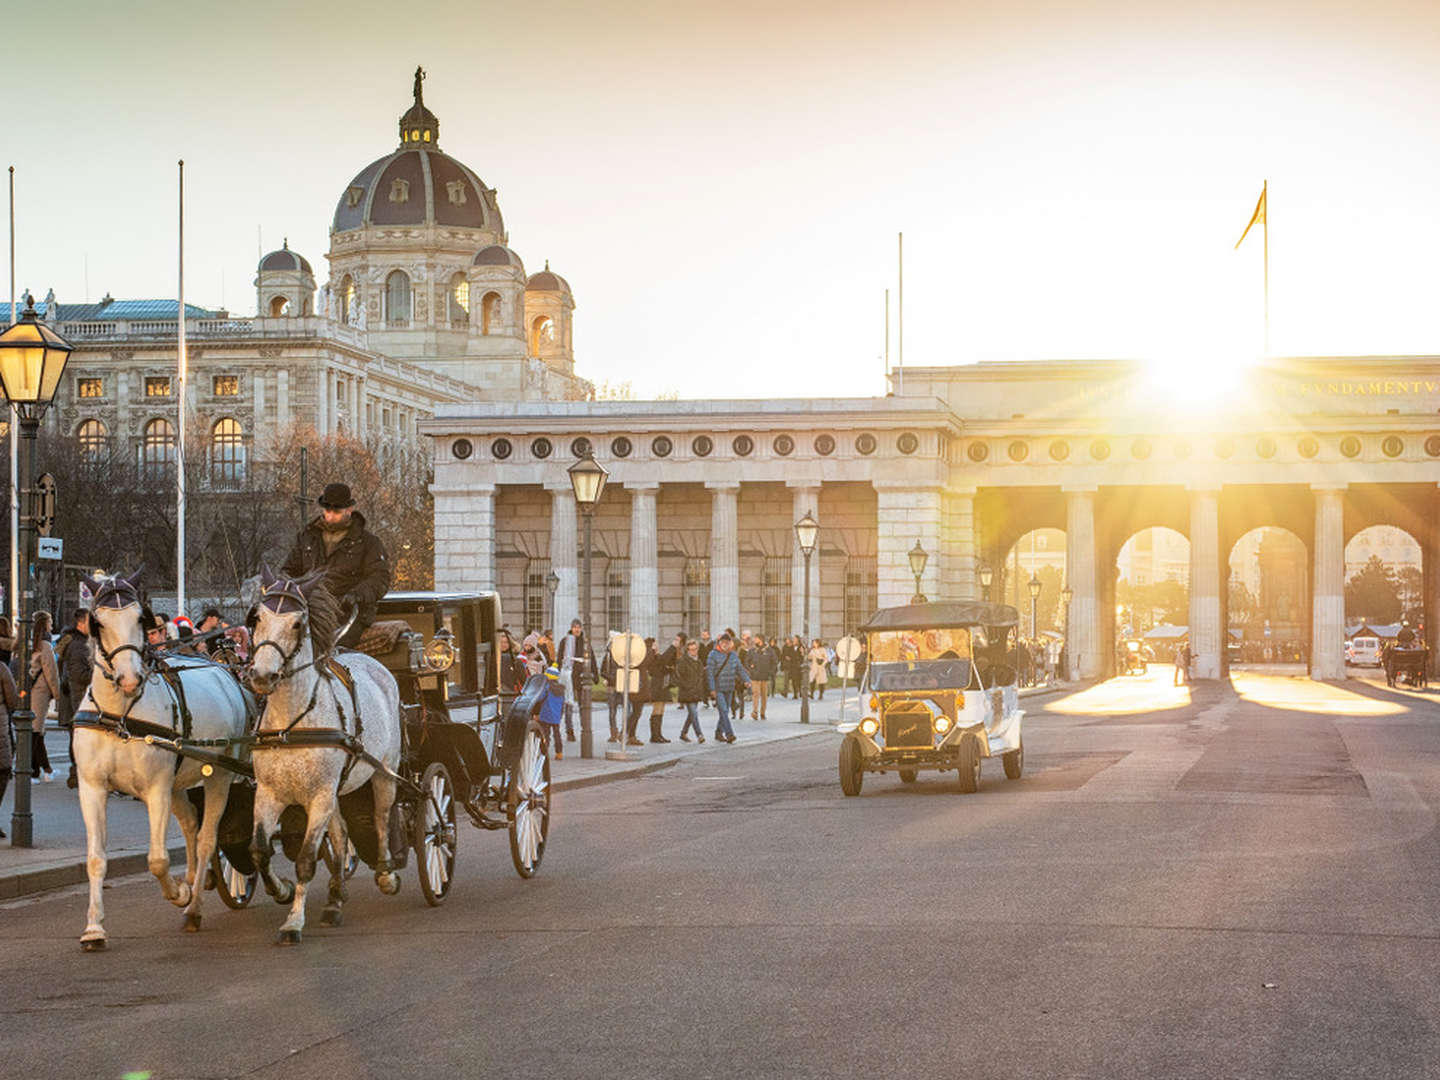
(949, 613)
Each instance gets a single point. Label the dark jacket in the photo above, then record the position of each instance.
(357, 567)
(793, 657)
(761, 663)
(690, 679)
(73, 654)
(657, 668)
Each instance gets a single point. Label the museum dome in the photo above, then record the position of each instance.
(417, 184)
(285, 259)
(498, 255)
(547, 281)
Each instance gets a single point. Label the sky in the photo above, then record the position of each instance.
(723, 183)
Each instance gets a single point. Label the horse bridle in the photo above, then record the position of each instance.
(277, 599)
(120, 598)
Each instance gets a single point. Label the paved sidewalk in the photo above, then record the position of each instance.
(58, 857)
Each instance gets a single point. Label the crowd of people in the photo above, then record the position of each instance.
(731, 673)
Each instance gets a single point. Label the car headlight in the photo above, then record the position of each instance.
(869, 725)
(440, 653)
(942, 724)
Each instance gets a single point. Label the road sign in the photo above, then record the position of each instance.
(628, 652)
(50, 547)
(43, 505)
(848, 648)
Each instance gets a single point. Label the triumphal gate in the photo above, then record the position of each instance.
(695, 529)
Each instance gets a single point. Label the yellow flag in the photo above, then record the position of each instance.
(1257, 218)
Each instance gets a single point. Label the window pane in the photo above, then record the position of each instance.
(92, 388)
(227, 385)
(157, 386)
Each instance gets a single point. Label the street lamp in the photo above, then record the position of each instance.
(807, 531)
(1034, 586)
(987, 575)
(32, 360)
(587, 478)
(1065, 596)
(552, 583)
(918, 558)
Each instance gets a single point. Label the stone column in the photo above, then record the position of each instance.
(959, 546)
(465, 537)
(324, 381)
(282, 397)
(1327, 637)
(563, 547)
(1207, 635)
(1430, 576)
(361, 426)
(806, 498)
(644, 562)
(724, 555)
(905, 515)
(1082, 649)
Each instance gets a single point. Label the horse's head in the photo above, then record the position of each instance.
(118, 618)
(290, 616)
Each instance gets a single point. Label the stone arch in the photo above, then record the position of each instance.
(457, 300)
(542, 334)
(399, 300)
(490, 313)
(279, 306)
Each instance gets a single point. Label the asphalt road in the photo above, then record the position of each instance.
(1236, 882)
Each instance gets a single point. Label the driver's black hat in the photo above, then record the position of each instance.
(336, 497)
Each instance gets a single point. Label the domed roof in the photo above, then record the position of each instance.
(285, 259)
(498, 255)
(417, 184)
(547, 281)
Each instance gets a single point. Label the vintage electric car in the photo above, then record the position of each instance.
(940, 690)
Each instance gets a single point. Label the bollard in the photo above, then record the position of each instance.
(21, 820)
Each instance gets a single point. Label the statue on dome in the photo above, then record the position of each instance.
(419, 78)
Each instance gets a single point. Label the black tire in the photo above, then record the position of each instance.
(527, 801)
(234, 888)
(852, 766)
(907, 776)
(1014, 762)
(433, 834)
(969, 765)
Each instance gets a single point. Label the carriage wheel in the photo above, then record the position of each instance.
(434, 834)
(235, 889)
(527, 803)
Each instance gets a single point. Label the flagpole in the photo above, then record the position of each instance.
(887, 341)
(180, 435)
(14, 444)
(900, 328)
(1265, 198)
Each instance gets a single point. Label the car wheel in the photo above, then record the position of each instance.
(907, 776)
(969, 765)
(852, 766)
(1014, 762)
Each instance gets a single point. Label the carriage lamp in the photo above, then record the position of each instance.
(987, 576)
(32, 361)
(918, 558)
(440, 653)
(869, 725)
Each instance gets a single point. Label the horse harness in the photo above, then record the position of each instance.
(127, 727)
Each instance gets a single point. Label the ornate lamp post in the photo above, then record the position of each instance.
(918, 558)
(587, 478)
(987, 575)
(32, 360)
(1034, 586)
(1065, 594)
(552, 583)
(807, 531)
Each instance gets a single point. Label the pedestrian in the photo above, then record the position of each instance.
(610, 675)
(640, 696)
(819, 659)
(511, 670)
(793, 657)
(357, 568)
(1182, 663)
(722, 672)
(552, 709)
(705, 646)
(690, 688)
(763, 661)
(72, 657)
(44, 686)
(574, 655)
(9, 702)
(660, 668)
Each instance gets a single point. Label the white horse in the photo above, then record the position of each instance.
(314, 761)
(128, 698)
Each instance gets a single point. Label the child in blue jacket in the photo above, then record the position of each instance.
(552, 708)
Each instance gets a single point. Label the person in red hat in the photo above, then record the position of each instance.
(357, 568)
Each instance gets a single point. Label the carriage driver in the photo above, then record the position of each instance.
(357, 569)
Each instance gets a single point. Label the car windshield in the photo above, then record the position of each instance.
(920, 659)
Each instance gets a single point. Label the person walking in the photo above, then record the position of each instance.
(552, 708)
(793, 658)
(819, 658)
(706, 645)
(1182, 663)
(44, 687)
(662, 666)
(690, 688)
(639, 698)
(763, 661)
(9, 702)
(575, 654)
(72, 656)
(722, 672)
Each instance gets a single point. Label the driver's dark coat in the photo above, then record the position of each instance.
(358, 564)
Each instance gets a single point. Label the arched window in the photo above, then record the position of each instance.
(397, 298)
(227, 453)
(157, 448)
(490, 313)
(347, 300)
(279, 306)
(94, 440)
(542, 334)
(459, 302)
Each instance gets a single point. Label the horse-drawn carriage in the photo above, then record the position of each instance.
(398, 765)
(1406, 664)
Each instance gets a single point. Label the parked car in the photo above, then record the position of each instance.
(1365, 652)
